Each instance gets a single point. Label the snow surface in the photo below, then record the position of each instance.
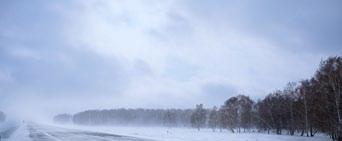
(21, 134)
(190, 134)
(38, 132)
(67, 133)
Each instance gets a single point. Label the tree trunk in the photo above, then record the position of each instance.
(311, 131)
(306, 113)
(337, 94)
(292, 120)
(231, 129)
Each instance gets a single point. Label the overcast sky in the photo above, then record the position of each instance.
(68, 56)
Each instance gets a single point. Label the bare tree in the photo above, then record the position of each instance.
(198, 117)
(213, 121)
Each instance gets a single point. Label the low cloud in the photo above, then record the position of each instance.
(71, 56)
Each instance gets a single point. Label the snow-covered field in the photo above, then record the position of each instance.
(190, 134)
(38, 132)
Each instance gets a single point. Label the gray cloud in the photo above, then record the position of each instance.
(216, 92)
(107, 54)
(310, 26)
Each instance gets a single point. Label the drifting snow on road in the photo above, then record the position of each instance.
(35, 132)
(40, 132)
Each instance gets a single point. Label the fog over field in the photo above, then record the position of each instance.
(153, 59)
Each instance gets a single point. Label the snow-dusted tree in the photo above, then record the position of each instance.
(222, 119)
(305, 92)
(198, 117)
(290, 97)
(245, 112)
(62, 118)
(230, 113)
(263, 116)
(272, 111)
(213, 121)
(146, 117)
(170, 118)
(329, 77)
(237, 113)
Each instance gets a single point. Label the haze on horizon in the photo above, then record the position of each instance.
(69, 56)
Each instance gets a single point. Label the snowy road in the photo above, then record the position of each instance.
(52, 133)
(42, 132)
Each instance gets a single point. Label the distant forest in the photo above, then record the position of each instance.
(303, 108)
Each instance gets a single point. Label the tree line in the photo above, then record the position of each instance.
(303, 108)
(143, 117)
